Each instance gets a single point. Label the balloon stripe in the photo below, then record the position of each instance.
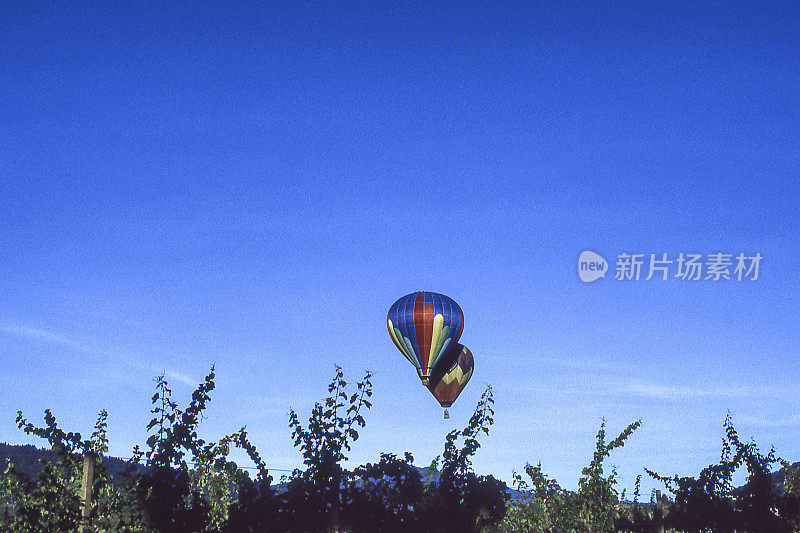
(395, 334)
(419, 327)
(437, 331)
(437, 352)
(442, 339)
(461, 320)
(444, 347)
(457, 331)
(408, 327)
(453, 326)
(411, 328)
(411, 349)
(456, 373)
(401, 344)
(438, 301)
(427, 332)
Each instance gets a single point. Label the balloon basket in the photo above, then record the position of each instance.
(446, 414)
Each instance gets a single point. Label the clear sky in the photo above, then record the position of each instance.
(254, 186)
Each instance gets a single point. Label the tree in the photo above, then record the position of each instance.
(599, 502)
(164, 494)
(789, 501)
(386, 496)
(547, 508)
(460, 500)
(315, 497)
(50, 501)
(709, 501)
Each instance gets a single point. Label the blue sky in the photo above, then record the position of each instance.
(254, 186)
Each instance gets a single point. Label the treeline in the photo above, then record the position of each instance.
(27, 459)
(707, 502)
(180, 482)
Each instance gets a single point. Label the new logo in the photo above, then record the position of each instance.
(591, 266)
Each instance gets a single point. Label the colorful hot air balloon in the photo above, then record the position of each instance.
(425, 326)
(452, 375)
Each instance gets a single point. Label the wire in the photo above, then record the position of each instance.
(192, 462)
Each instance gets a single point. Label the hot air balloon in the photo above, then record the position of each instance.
(451, 376)
(425, 326)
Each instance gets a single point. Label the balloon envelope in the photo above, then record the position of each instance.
(450, 378)
(425, 326)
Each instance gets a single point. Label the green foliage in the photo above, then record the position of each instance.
(710, 502)
(163, 495)
(189, 484)
(547, 507)
(598, 496)
(460, 500)
(389, 495)
(315, 496)
(201, 498)
(50, 500)
(167, 488)
(386, 496)
(789, 502)
(791, 483)
(635, 517)
(25, 458)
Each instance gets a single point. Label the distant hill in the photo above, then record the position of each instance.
(777, 481)
(25, 458)
(779, 476)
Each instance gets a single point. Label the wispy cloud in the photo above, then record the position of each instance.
(108, 354)
(621, 386)
(581, 364)
(574, 363)
(182, 378)
(172, 375)
(274, 403)
(43, 335)
(687, 392)
(764, 422)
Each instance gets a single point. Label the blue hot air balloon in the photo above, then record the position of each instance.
(425, 326)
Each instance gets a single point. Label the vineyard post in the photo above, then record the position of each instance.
(86, 488)
(660, 514)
